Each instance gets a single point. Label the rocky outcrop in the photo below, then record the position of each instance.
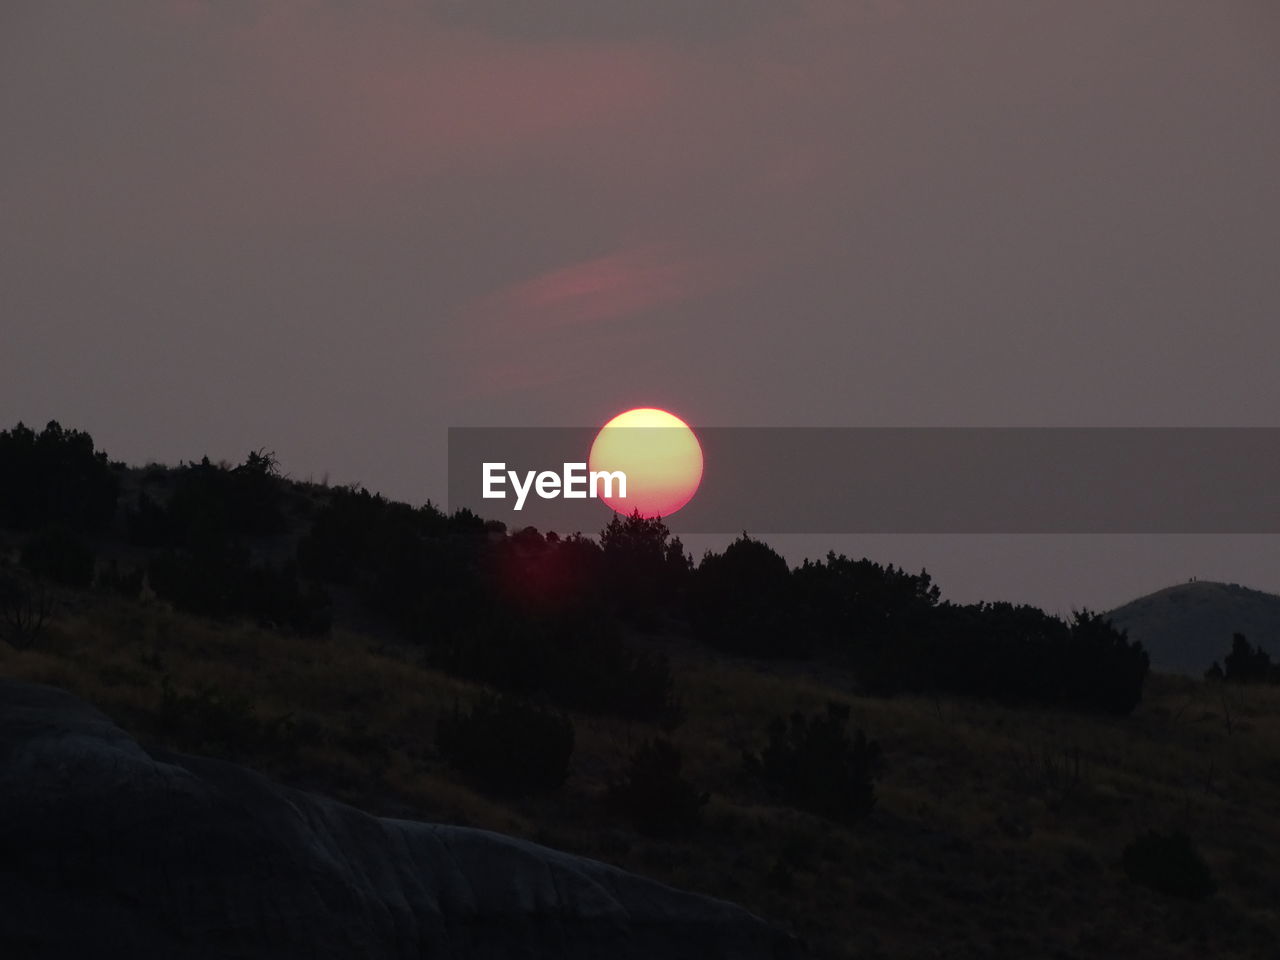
(111, 850)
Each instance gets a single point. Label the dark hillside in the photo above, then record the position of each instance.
(1188, 626)
(833, 746)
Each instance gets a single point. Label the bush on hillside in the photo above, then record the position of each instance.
(1168, 864)
(217, 722)
(812, 763)
(1245, 663)
(59, 555)
(872, 615)
(25, 610)
(418, 567)
(1101, 669)
(147, 523)
(220, 581)
(54, 477)
(577, 660)
(210, 500)
(126, 583)
(508, 746)
(653, 794)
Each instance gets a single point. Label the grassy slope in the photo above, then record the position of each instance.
(986, 840)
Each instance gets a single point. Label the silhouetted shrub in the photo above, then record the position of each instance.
(275, 597)
(813, 763)
(125, 583)
(59, 555)
(891, 628)
(209, 581)
(25, 609)
(212, 502)
(1100, 667)
(646, 691)
(148, 523)
(548, 575)
(1169, 864)
(221, 581)
(54, 477)
(508, 746)
(416, 566)
(653, 795)
(1020, 654)
(344, 537)
(871, 615)
(743, 601)
(576, 661)
(1245, 663)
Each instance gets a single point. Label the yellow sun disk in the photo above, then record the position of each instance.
(660, 456)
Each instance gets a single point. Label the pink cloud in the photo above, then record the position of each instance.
(535, 331)
(601, 289)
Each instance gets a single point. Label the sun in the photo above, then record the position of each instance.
(660, 456)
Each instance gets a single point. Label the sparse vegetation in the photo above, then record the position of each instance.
(926, 835)
(654, 795)
(813, 763)
(1245, 663)
(25, 609)
(507, 746)
(1169, 864)
(221, 723)
(59, 555)
(54, 477)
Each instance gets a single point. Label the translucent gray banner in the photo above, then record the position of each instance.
(916, 480)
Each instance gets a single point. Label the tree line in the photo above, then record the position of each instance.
(534, 613)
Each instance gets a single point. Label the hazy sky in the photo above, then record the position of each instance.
(336, 228)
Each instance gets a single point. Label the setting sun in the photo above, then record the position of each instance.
(660, 456)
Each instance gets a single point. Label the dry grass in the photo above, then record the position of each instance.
(998, 831)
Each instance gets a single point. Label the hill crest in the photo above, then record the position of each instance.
(1187, 626)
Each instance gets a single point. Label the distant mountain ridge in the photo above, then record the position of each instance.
(1187, 626)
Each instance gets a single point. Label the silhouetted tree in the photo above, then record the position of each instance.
(549, 575)
(1015, 653)
(874, 616)
(1245, 663)
(54, 477)
(744, 601)
(1101, 668)
(654, 795)
(419, 568)
(212, 502)
(646, 569)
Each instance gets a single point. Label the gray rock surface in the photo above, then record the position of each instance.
(109, 850)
